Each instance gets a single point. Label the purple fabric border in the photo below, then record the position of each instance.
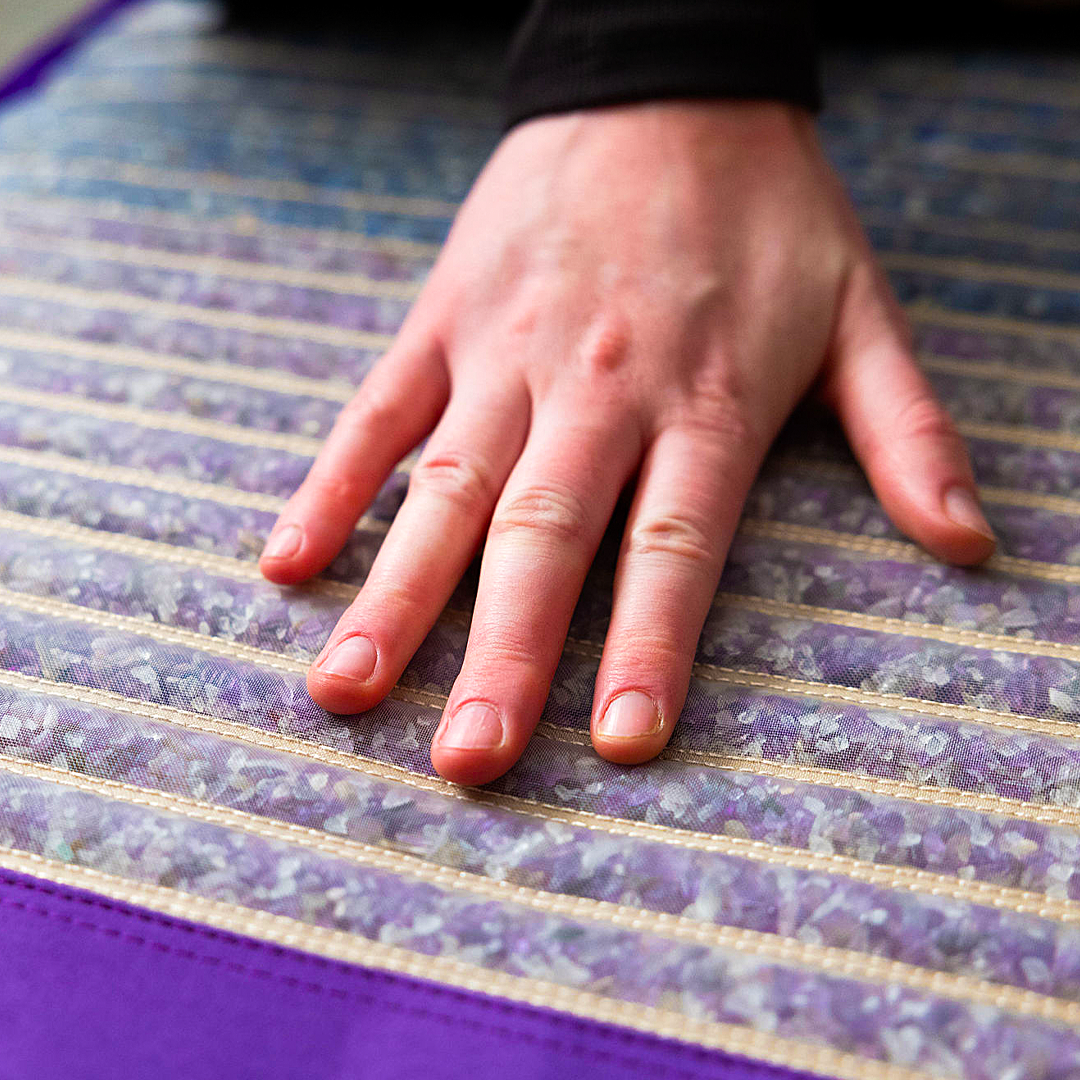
(31, 66)
(95, 988)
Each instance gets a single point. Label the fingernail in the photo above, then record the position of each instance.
(475, 726)
(962, 507)
(283, 543)
(629, 716)
(352, 658)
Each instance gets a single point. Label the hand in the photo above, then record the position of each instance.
(629, 295)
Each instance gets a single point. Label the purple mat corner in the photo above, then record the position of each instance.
(95, 988)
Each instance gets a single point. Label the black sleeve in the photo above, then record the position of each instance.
(572, 54)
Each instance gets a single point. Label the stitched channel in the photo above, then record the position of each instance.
(906, 878)
(114, 300)
(283, 382)
(832, 961)
(735, 676)
(993, 804)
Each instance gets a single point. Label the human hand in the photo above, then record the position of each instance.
(630, 295)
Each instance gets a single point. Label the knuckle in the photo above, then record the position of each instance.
(455, 478)
(605, 347)
(503, 650)
(720, 408)
(545, 510)
(370, 408)
(334, 489)
(675, 535)
(923, 417)
(402, 598)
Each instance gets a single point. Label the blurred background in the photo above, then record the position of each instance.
(24, 22)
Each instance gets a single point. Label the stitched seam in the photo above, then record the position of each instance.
(248, 186)
(211, 370)
(949, 797)
(104, 209)
(900, 551)
(985, 229)
(887, 624)
(997, 370)
(342, 282)
(219, 318)
(48, 460)
(227, 566)
(157, 419)
(973, 270)
(923, 313)
(1053, 440)
(838, 470)
(158, 551)
(805, 688)
(953, 798)
(907, 878)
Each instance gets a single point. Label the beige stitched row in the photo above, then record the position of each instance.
(978, 228)
(924, 313)
(282, 382)
(171, 635)
(901, 550)
(189, 639)
(145, 478)
(990, 804)
(337, 391)
(853, 104)
(196, 489)
(350, 948)
(89, 167)
(303, 444)
(999, 371)
(235, 497)
(218, 318)
(837, 779)
(1008, 87)
(313, 99)
(1006, 163)
(294, 328)
(829, 960)
(838, 470)
(228, 566)
(978, 639)
(974, 270)
(818, 691)
(241, 225)
(908, 879)
(1050, 440)
(157, 550)
(160, 420)
(247, 225)
(321, 280)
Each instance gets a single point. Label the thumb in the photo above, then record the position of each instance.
(903, 437)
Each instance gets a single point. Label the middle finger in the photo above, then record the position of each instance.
(544, 533)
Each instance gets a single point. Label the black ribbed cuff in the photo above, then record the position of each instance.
(573, 54)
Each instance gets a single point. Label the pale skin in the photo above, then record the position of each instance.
(633, 297)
